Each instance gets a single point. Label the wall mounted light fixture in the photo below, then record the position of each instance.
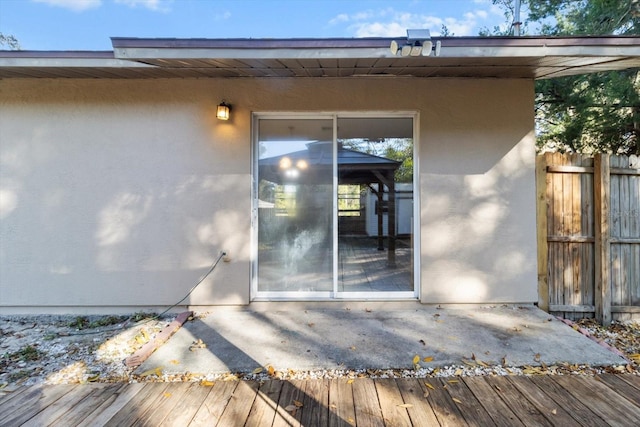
(224, 111)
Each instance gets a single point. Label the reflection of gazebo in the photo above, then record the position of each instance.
(315, 166)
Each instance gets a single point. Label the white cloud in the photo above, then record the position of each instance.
(222, 16)
(392, 23)
(156, 5)
(74, 5)
(343, 17)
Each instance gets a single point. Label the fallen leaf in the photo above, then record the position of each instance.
(271, 370)
(290, 408)
(416, 359)
(536, 357)
(554, 411)
(456, 400)
(311, 324)
(206, 383)
(405, 405)
(297, 403)
(353, 347)
(481, 363)
(458, 372)
(230, 377)
(368, 310)
(155, 371)
(174, 362)
(427, 359)
(430, 386)
(350, 381)
(453, 381)
(257, 371)
(350, 420)
(166, 394)
(425, 394)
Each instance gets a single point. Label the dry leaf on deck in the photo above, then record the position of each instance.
(405, 405)
(430, 386)
(206, 383)
(416, 359)
(297, 403)
(271, 370)
(428, 359)
(257, 371)
(456, 400)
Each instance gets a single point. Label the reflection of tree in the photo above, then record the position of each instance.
(399, 149)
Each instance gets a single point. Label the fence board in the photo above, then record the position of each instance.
(571, 260)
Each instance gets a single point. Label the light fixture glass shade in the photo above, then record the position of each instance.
(223, 111)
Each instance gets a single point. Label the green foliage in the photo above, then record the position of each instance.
(398, 149)
(83, 322)
(593, 112)
(9, 41)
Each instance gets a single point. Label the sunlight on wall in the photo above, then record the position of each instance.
(120, 216)
(8, 202)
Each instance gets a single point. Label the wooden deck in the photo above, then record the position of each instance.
(477, 401)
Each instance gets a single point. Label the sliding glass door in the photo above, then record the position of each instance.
(333, 207)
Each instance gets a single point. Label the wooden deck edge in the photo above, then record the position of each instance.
(137, 358)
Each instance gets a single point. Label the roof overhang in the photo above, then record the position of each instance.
(474, 57)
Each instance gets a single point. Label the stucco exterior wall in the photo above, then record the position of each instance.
(119, 194)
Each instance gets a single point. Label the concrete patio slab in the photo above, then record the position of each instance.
(316, 336)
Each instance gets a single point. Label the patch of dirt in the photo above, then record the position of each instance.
(66, 349)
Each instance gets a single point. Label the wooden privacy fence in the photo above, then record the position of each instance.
(588, 211)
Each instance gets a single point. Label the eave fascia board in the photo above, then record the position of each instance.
(470, 47)
(70, 63)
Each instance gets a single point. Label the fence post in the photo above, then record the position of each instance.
(541, 232)
(601, 195)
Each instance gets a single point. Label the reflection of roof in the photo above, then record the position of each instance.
(353, 166)
(502, 57)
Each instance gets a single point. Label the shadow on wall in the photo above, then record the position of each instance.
(481, 226)
(114, 219)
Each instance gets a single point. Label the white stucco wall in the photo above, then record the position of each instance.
(116, 195)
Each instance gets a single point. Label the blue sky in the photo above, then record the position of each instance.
(88, 24)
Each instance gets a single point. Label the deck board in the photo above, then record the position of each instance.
(341, 410)
(543, 403)
(578, 408)
(393, 406)
(470, 407)
(367, 406)
(445, 408)
(605, 400)
(420, 412)
(211, 408)
(609, 405)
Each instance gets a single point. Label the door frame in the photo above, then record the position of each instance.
(334, 295)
